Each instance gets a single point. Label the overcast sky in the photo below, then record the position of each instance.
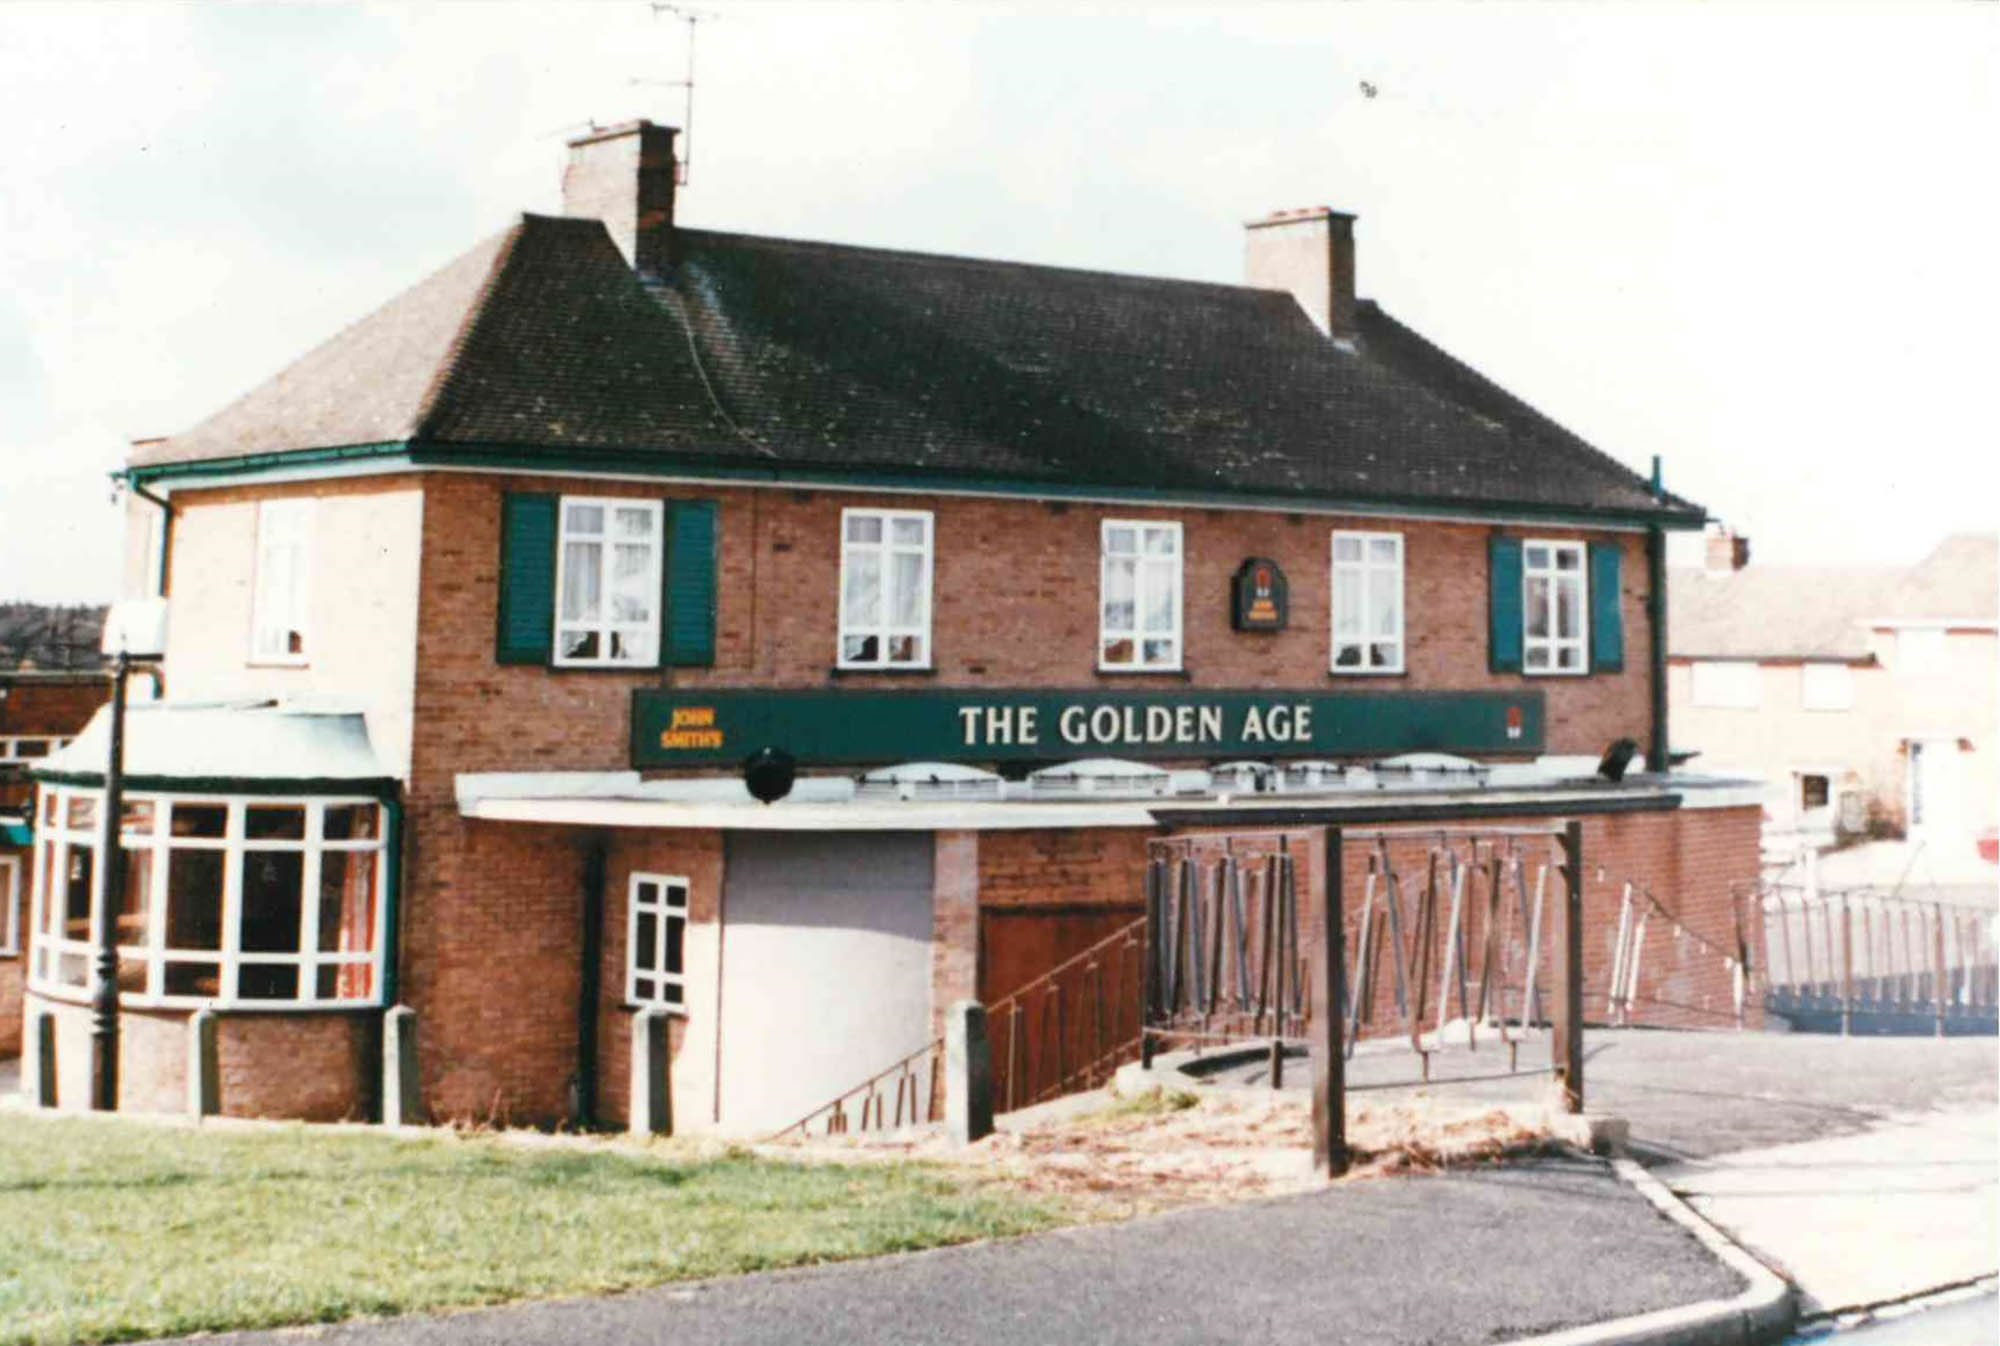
(1760, 242)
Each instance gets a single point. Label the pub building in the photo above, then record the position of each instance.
(476, 612)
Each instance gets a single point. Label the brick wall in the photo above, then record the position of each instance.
(312, 1067)
(13, 985)
(491, 960)
(1015, 604)
(42, 705)
(691, 1036)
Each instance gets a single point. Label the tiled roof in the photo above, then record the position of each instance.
(816, 356)
(1959, 579)
(1775, 612)
(1794, 612)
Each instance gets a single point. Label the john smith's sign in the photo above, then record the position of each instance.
(716, 728)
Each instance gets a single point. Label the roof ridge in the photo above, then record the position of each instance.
(421, 421)
(962, 259)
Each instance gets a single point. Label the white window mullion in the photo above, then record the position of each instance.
(232, 906)
(309, 873)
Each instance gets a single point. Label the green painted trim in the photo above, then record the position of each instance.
(16, 834)
(711, 469)
(392, 897)
(382, 788)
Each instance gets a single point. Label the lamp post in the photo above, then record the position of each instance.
(111, 878)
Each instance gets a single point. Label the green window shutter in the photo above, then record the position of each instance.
(688, 636)
(1607, 613)
(527, 578)
(1503, 604)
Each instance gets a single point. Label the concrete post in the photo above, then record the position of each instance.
(968, 1074)
(402, 1095)
(652, 1106)
(45, 1058)
(204, 1074)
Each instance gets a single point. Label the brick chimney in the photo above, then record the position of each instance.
(1726, 552)
(624, 175)
(1310, 253)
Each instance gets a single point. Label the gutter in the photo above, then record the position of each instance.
(166, 509)
(649, 464)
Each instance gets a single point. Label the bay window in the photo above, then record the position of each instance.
(608, 567)
(1367, 602)
(241, 901)
(1553, 607)
(1140, 596)
(885, 588)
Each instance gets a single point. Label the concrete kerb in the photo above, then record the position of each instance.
(1763, 1312)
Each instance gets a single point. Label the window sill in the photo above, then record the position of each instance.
(301, 662)
(1181, 674)
(634, 1007)
(1344, 674)
(72, 995)
(882, 671)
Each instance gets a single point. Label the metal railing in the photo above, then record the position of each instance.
(908, 1093)
(1072, 1027)
(1863, 953)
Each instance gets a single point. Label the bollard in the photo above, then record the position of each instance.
(204, 1075)
(652, 1109)
(45, 1060)
(402, 1096)
(1277, 1067)
(968, 1074)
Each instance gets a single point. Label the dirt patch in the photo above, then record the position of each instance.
(1162, 1150)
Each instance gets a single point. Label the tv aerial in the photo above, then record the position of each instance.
(691, 16)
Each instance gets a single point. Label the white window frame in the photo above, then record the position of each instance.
(1364, 568)
(1144, 564)
(1725, 684)
(605, 626)
(10, 905)
(1920, 651)
(10, 747)
(55, 839)
(884, 629)
(284, 523)
(671, 905)
(1555, 642)
(1826, 686)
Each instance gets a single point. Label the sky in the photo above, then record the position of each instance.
(1759, 242)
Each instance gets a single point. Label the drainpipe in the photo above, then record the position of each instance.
(589, 983)
(166, 509)
(1656, 626)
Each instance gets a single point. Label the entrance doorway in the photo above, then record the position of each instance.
(1935, 783)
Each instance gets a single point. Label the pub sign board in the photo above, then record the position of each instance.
(1257, 598)
(681, 728)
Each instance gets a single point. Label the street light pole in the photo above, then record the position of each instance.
(111, 895)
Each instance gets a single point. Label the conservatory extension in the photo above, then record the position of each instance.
(258, 883)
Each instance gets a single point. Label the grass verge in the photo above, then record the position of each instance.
(111, 1231)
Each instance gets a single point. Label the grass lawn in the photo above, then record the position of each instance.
(115, 1230)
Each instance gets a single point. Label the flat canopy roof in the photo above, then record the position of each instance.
(252, 745)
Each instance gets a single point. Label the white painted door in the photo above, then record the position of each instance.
(826, 967)
(1936, 780)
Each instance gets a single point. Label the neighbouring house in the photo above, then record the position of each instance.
(50, 685)
(1863, 696)
(477, 611)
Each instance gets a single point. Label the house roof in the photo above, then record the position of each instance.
(1774, 612)
(1961, 579)
(1795, 612)
(782, 354)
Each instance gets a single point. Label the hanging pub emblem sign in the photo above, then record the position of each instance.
(1258, 596)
